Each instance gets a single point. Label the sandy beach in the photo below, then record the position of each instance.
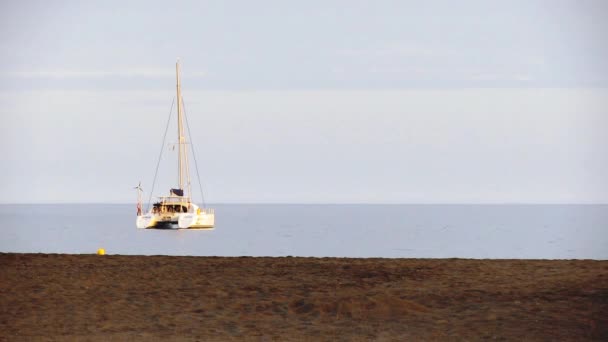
(111, 297)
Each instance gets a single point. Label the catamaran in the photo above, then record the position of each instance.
(177, 211)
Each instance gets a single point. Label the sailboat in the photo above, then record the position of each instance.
(177, 211)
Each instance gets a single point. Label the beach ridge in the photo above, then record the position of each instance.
(67, 296)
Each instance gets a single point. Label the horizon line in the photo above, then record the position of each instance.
(323, 203)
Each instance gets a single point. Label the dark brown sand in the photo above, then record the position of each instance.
(103, 298)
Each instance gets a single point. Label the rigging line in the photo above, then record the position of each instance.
(160, 154)
(200, 186)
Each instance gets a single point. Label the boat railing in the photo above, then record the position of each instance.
(174, 199)
(207, 211)
(180, 200)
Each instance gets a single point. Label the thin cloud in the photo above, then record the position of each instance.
(88, 74)
(493, 76)
(398, 50)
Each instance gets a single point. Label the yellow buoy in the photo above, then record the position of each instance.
(101, 251)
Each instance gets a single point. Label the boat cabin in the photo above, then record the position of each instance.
(172, 204)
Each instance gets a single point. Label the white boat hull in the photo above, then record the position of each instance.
(197, 221)
(144, 221)
(204, 220)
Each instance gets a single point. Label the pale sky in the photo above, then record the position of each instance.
(308, 102)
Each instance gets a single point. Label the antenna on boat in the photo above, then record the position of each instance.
(139, 198)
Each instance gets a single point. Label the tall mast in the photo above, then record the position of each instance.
(181, 146)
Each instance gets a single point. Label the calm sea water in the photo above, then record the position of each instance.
(393, 231)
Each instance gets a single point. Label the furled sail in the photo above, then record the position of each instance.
(177, 192)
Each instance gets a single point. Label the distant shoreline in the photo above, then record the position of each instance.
(63, 296)
(312, 258)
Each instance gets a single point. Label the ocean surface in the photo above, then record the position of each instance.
(390, 231)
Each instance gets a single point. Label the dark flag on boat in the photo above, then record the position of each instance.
(177, 192)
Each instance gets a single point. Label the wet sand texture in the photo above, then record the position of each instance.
(102, 298)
